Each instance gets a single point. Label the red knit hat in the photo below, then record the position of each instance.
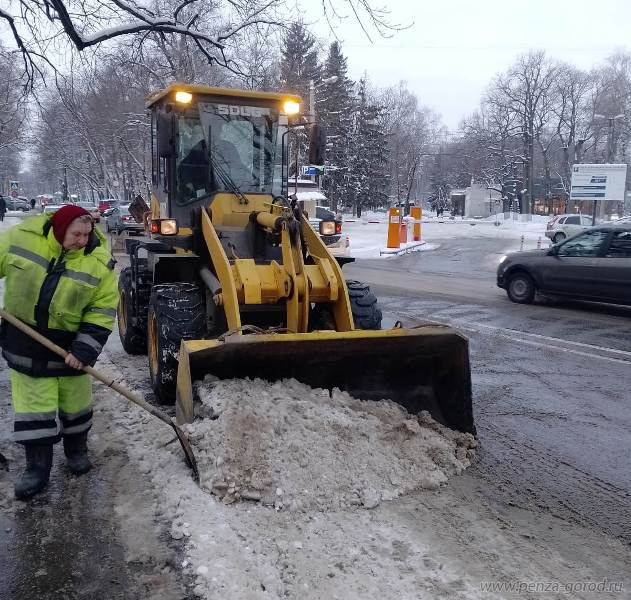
(63, 217)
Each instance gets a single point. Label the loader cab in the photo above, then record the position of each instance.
(207, 141)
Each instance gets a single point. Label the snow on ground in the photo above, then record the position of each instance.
(368, 235)
(430, 544)
(293, 447)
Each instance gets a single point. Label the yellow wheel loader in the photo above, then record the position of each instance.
(234, 281)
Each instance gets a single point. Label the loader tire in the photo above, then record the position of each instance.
(176, 312)
(366, 312)
(133, 338)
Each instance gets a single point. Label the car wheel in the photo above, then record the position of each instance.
(521, 288)
(558, 237)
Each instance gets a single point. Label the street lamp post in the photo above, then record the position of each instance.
(312, 89)
(610, 136)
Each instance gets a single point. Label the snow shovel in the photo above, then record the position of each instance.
(110, 382)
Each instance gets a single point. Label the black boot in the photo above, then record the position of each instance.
(76, 450)
(39, 460)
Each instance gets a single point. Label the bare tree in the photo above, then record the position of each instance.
(210, 28)
(523, 90)
(13, 113)
(411, 130)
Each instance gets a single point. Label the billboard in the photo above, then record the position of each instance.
(598, 182)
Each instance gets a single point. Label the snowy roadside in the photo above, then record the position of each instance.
(368, 235)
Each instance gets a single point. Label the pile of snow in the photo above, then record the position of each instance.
(287, 445)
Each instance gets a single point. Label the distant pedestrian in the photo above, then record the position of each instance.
(3, 207)
(33, 203)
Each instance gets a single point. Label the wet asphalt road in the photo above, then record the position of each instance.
(551, 406)
(551, 381)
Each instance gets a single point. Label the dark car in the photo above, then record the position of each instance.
(593, 265)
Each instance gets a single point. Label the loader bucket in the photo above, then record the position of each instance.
(421, 369)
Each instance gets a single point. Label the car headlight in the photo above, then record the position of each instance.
(503, 259)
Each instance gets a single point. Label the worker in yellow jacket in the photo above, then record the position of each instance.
(59, 278)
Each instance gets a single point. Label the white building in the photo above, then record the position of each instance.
(479, 201)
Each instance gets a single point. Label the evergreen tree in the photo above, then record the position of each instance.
(298, 68)
(299, 61)
(368, 154)
(334, 108)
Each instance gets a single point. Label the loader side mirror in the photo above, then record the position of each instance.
(166, 135)
(317, 145)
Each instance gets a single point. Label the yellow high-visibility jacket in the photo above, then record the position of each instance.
(68, 296)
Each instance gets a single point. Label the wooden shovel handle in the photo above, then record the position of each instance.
(107, 380)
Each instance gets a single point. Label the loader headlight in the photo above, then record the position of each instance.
(168, 227)
(183, 97)
(164, 227)
(327, 227)
(291, 108)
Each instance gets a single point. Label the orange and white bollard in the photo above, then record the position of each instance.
(416, 212)
(403, 232)
(394, 226)
(521, 246)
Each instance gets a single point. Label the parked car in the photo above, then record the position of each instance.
(51, 208)
(17, 204)
(593, 265)
(107, 203)
(92, 209)
(329, 227)
(120, 219)
(566, 226)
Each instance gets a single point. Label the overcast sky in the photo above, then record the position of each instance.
(456, 46)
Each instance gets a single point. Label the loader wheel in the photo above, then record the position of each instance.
(133, 338)
(176, 312)
(366, 312)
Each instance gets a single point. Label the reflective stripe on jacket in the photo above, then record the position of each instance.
(69, 296)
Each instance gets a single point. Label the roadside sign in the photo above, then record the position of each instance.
(598, 182)
(14, 185)
(308, 170)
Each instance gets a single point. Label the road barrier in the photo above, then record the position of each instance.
(394, 228)
(416, 212)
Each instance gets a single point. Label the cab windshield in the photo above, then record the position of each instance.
(245, 152)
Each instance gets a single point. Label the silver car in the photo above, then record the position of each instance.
(566, 226)
(120, 219)
(92, 209)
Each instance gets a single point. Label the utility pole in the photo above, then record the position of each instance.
(65, 185)
(90, 176)
(312, 107)
(611, 119)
